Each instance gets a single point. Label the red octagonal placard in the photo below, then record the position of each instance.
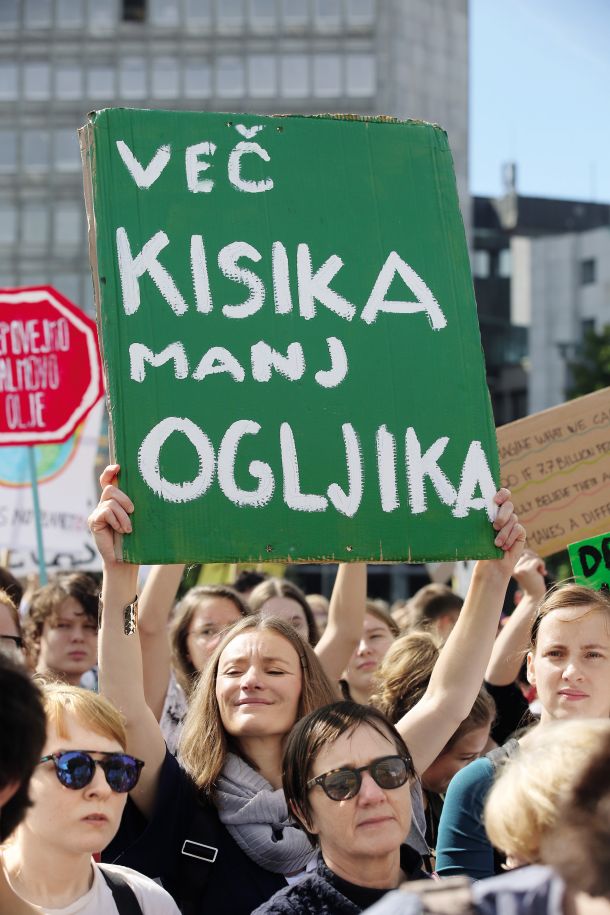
(50, 368)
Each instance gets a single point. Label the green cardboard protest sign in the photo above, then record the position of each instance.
(290, 338)
(590, 561)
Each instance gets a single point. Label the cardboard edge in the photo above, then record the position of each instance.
(87, 151)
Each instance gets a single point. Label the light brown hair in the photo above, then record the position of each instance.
(46, 603)
(186, 673)
(89, 708)
(280, 587)
(205, 743)
(403, 677)
(428, 605)
(567, 597)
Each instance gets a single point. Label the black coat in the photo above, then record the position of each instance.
(321, 893)
(187, 847)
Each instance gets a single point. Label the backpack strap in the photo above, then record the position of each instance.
(125, 899)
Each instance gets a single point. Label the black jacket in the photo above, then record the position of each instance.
(323, 893)
(188, 848)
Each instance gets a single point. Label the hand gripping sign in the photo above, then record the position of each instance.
(50, 369)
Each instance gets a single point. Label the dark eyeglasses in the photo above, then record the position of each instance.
(388, 772)
(76, 768)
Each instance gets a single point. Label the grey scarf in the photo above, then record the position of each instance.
(256, 816)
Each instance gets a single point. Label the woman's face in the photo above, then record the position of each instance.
(68, 644)
(374, 643)
(208, 623)
(288, 610)
(465, 750)
(571, 664)
(81, 821)
(258, 685)
(375, 822)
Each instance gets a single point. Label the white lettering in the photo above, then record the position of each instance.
(150, 453)
(424, 465)
(227, 261)
(333, 376)
(476, 472)
(218, 360)
(234, 168)
(425, 300)
(293, 497)
(264, 358)
(386, 467)
(349, 503)
(227, 454)
(132, 268)
(194, 167)
(140, 354)
(144, 177)
(314, 286)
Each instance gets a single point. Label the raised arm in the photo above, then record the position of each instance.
(514, 638)
(156, 602)
(120, 658)
(458, 673)
(345, 619)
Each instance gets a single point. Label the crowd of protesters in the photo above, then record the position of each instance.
(249, 748)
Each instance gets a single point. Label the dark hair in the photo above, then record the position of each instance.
(429, 604)
(46, 602)
(578, 845)
(280, 587)
(248, 579)
(22, 736)
(186, 673)
(11, 585)
(320, 729)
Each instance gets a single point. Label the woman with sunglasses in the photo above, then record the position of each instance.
(261, 679)
(346, 777)
(78, 792)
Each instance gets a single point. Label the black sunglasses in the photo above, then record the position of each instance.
(388, 772)
(76, 768)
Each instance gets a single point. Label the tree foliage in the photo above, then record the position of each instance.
(590, 371)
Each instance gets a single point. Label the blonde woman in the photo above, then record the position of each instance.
(523, 804)
(78, 792)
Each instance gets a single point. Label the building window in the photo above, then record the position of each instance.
(70, 14)
(360, 13)
(132, 78)
(69, 284)
(100, 82)
(294, 70)
(34, 225)
(68, 81)
(198, 13)
(165, 77)
(230, 77)
(37, 13)
(36, 148)
(327, 15)
(360, 76)
(164, 13)
(587, 326)
(262, 17)
(8, 223)
(133, 10)
(66, 152)
(9, 14)
(326, 75)
(8, 82)
(36, 81)
(261, 76)
(102, 14)
(587, 271)
(8, 150)
(504, 263)
(480, 264)
(230, 16)
(197, 79)
(295, 14)
(66, 226)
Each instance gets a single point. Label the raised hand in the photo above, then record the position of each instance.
(110, 514)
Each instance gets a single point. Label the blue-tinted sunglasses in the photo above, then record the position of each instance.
(76, 768)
